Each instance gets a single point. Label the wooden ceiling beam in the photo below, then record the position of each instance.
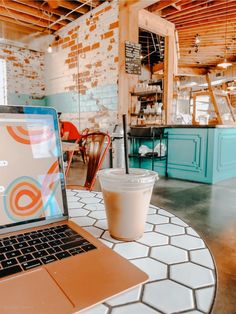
(196, 6)
(45, 7)
(200, 25)
(217, 11)
(72, 5)
(26, 18)
(172, 9)
(30, 26)
(21, 8)
(212, 37)
(193, 65)
(187, 5)
(206, 29)
(207, 16)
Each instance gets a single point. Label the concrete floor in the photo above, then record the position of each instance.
(211, 211)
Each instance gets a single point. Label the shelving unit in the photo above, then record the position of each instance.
(158, 136)
(145, 93)
(147, 98)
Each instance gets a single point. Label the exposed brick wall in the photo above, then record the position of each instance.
(25, 75)
(82, 73)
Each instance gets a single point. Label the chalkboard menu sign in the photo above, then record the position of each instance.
(132, 58)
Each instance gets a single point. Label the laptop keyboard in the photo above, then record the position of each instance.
(26, 251)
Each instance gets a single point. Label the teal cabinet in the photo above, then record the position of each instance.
(201, 154)
(187, 154)
(224, 153)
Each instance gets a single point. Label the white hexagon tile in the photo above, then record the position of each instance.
(182, 275)
(169, 254)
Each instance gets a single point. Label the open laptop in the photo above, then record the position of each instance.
(48, 264)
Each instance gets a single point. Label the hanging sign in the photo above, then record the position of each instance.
(132, 58)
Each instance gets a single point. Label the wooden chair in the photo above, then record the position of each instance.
(77, 147)
(97, 145)
(82, 144)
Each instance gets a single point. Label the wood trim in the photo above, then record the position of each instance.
(155, 23)
(136, 5)
(162, 5)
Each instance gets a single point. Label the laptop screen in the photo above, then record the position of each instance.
(32, 184)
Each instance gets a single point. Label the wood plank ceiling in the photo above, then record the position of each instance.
(39, 15)
(213, 22)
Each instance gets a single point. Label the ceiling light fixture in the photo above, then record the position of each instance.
(49, 49)
(225, 64)
(197, 39)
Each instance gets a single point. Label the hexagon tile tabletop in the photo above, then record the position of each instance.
(182, 275)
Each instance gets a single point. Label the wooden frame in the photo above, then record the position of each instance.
(132, 16)
(216, 105)
(227, 106)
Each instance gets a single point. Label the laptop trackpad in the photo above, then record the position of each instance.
(32, 292)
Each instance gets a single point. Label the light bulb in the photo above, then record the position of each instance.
(197, 39)
(49, 50)
(225, 64)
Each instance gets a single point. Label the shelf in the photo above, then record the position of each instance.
(145, 114)
(145, 93)
(149, 136)
(147, 157)
(147, 125)
(144, 101)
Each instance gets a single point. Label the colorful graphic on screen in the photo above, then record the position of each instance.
(30, 180)
(32, 136)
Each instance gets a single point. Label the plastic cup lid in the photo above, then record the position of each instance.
(136, 175)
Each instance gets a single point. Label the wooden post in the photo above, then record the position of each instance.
(128, 31)
(213, 99)
(194, 110)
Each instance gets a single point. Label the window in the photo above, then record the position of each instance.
(3, 83)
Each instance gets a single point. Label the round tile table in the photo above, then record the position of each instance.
(182, 275)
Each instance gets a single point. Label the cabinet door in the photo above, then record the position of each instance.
(187, 154)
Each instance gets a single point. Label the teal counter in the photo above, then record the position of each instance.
(201, 154)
